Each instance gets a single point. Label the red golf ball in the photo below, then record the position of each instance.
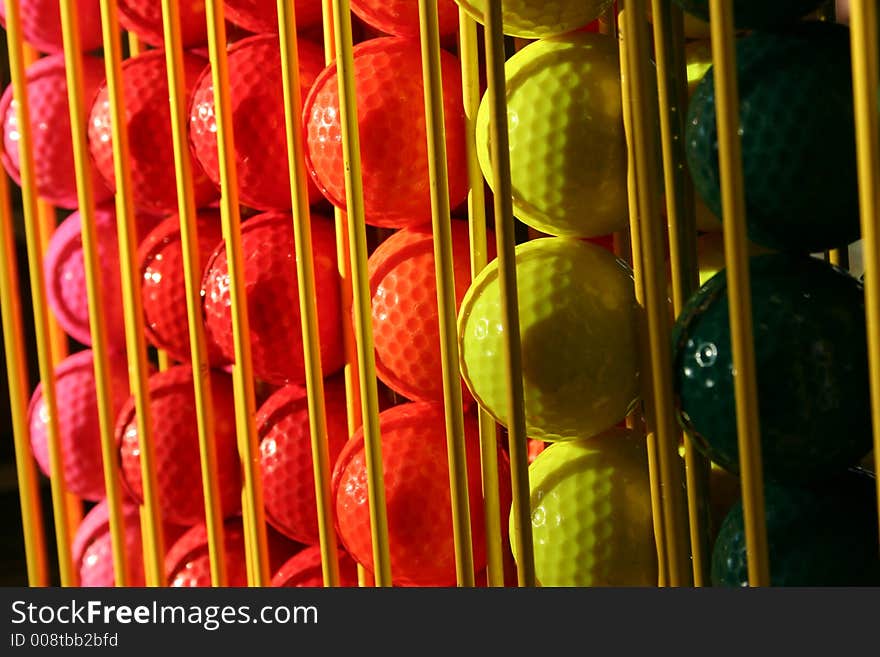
(391, 119)
(148, 120)
(262, 16)
(176, 445)
(41, 24)
(273, 301)
(401, 17)
(406, 328)
(286, 456)
(54, 173)
(257, 94)
(93, 549)
(78, 427)
(188, 564)
(64, 271)
(417, 495)
(304, 570)
(166, 321)
(144, 18)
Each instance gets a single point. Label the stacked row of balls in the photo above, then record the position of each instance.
(799, 161)
(414, 443)
(590, 492)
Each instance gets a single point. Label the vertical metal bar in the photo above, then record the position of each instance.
(644, 112)
(192, 274)
(135, 47)
(306, 287)
(672, 89)
(470, 76)
(354, 194)
(19, 385)
(151, 520)
(505, 238)
(38, 290)
(445, 275)
(344, 265)
(863, 27)
(645, 422)
(57, 336)
(245, 403)
(739, 291)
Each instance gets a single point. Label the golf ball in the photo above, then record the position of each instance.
(577, 316)
(591, 512)
(568, 160)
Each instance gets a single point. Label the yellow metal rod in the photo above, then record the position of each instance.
(739, 290)
(644, 114)
(38, 292)
(133, 311)
(48, 223)
(506, 243)
(344, 266)
(163, 360)
(19, 389)
(672, 86)
(192, 274)
(470, 75)
(135, 47)
(445, 275)
(305, 274)
(58, 338)
(863, 26)
(245, 403)
(643, 421)
(354, 193)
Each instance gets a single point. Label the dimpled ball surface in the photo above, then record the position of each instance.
(577, 313)
(417, 496)
(188, 563)
(591, 512)
(257, 96)
(144, 18)
(811, 359)
(92, 547)
(54, 173)
(148, 119)
(755, 13)
(262, 15)
(273, 299)
(176, 445)
(166, 323)
(304, 570)
(401, 17)
(286, 455)
(78, 427)
(533, 19)
(820, 536)
(568, 159)
(64, 269)
(798, 138)
(41, 24)
(391, 119)
(406, 328)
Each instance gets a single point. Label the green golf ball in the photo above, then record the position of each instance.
(819, 536)
(798, 138)
(756, 13)
(811, 364)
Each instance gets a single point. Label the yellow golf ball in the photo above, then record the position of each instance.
(533, 19)
(577, 316)
(591, 513)
(568, 160)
